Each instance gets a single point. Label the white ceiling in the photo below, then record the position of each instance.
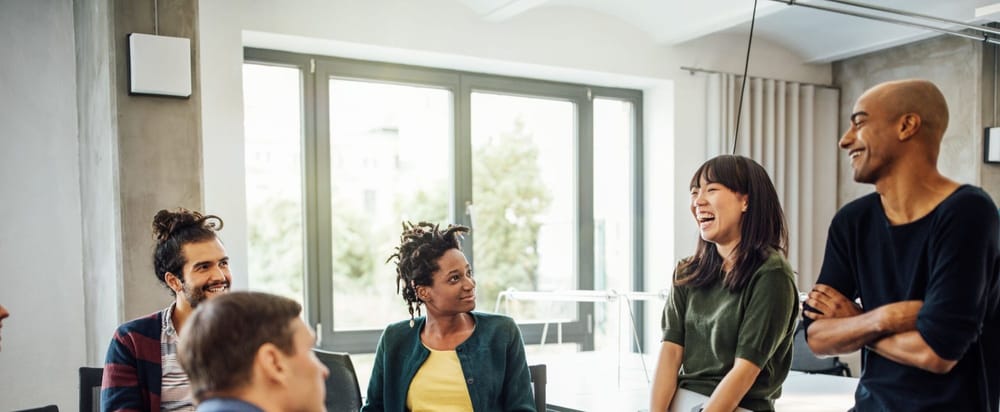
(817, 35)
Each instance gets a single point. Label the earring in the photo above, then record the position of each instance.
(744, 208)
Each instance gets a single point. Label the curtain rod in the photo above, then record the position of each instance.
(984, 37)
(917, 15)
(694, 70)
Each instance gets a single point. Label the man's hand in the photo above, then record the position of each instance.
(830, 304)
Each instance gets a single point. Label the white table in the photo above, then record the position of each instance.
(594, 382)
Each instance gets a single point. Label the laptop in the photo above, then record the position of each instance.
(691, 401)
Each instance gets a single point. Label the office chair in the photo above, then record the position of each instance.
(342, 391)
(804, 360)
(90, 389)
(46, 408)
(538, 381)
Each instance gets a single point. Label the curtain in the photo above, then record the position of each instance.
(790, 129)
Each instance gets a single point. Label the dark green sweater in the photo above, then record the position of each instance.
(716, 326)
(493, 362)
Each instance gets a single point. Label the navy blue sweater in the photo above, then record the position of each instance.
(949, 260)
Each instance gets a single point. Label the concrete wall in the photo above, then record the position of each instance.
(159, 149)
(79, 180)
(989, 173)
(955, 65)
(100, 203)
(41, 281)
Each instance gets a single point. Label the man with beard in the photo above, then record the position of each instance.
(141, 371)
(921, 254)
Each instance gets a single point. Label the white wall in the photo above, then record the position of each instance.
(560, 43)
(40, 237)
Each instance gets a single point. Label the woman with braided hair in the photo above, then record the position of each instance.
(450, 359)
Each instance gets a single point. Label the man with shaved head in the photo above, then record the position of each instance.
(910, 271)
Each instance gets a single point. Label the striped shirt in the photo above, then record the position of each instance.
(175, 391)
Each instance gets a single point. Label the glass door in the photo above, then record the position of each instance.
(524, 197)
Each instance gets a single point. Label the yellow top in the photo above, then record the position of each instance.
(439, 385)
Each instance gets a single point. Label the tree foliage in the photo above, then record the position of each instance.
(510, 199)
(276, 259)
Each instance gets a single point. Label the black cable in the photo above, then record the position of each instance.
(743, 87)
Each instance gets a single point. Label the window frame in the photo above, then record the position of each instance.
(316, 72)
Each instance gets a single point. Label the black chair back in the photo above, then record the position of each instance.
(90, 389)
(804, 360)
(46, 408)
(538, 381)
(342, 391)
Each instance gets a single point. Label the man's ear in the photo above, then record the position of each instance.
(270, 362)
(173, 282)
(908, 126)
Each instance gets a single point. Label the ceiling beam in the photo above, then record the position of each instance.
(721, 21)
(829, 56)
(990, 13)
(510, 8)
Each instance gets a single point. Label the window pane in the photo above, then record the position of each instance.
(524, 192)
(273, 132)
(390, 151)
(613, 202)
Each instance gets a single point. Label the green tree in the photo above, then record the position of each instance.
(423, 207)
(510, 199)
(354, 251)
(275, 260)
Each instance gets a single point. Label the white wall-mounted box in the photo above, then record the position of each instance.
(159, 65)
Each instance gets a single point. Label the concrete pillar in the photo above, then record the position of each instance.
(990, 91)
(138, 154)
(99, 199)
(159, 148)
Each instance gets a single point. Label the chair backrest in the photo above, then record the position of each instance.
(90, 389)
(538, 381)
(46, 408)
(804, 360)
(342, 391)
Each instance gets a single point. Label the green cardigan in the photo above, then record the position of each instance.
(492, 359)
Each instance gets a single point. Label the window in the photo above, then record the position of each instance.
(273, 138)
(523, 174)
(616, 208)
(547, 174)
(401, 137)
